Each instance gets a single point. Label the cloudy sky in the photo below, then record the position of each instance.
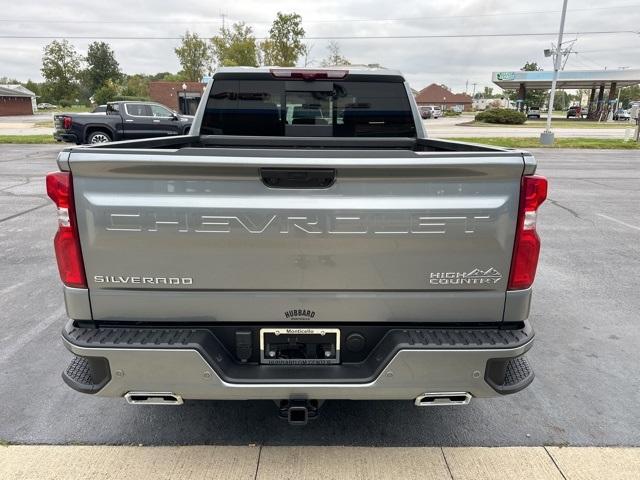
(452, 61)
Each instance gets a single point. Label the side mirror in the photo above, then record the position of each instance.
(174, 117)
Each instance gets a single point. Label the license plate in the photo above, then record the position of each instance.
(299, 346)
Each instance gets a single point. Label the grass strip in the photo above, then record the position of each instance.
(30, 139)
(534, 142)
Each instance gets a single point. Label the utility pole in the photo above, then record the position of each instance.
(474, 89)
(466, 87)
(546, 138)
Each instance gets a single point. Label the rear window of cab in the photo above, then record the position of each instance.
(279, 107)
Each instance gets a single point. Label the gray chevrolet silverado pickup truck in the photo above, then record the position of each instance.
(306, 241)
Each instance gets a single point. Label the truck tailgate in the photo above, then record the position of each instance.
(399, 236)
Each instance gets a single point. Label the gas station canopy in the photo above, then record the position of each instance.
(567, 79)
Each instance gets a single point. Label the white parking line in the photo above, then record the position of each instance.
(28, 336)
(618, 221)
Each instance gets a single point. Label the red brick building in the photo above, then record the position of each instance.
(174, 96)
(13, 102)
(437, 95)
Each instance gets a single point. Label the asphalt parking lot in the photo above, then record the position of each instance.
(585, 312)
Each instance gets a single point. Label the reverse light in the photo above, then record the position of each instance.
(307, 74)
(526, 248)
(66, 241)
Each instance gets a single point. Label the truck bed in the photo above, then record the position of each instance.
(323, 143)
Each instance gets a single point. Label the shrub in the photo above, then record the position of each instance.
(501, 115)
(106, 93)
(452, 113)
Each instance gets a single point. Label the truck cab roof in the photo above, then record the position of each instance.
(345, 73)
(353, 70)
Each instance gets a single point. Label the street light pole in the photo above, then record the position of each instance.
(184, 99)
(547, 135)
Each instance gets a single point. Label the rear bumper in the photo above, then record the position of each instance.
(66, 137)
(404, 365)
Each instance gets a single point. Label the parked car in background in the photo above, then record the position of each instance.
(46, 106)
(100, 109)
(533, 112)
(622, 114)
(425, 112)
(576, 111)
(436, 111)
(121, 121)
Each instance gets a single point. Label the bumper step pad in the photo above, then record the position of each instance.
(518, 370)
(87, 374)
(509, 375)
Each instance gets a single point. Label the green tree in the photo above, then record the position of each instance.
(60, 69)
(562, 100)
(194, 56)
(136, 85)
(176, 77)
(101, 66)
(335, 57)
(628, 95)
(488, 92)
(284, 45)
(531, 67)
(235, 46)
(534, 98)
(33, 86)
(158, 76)
(106, 93)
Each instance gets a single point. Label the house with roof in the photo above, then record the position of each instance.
(437, 95)
(16, 100)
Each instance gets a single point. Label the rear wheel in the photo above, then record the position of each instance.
(98, 136)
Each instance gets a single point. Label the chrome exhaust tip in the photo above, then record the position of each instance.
(442, 399)
(153, 398)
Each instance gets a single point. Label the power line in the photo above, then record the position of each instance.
(338, 37)
(342, 20)
(477, 15)
(588, 59)
(603, 50)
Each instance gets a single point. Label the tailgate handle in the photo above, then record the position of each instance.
(298, 177)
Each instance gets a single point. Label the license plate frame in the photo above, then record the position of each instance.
(313, 335)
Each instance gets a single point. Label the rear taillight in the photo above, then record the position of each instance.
(66, 242)
(66, 123)
(526, 248)
(307, 74)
